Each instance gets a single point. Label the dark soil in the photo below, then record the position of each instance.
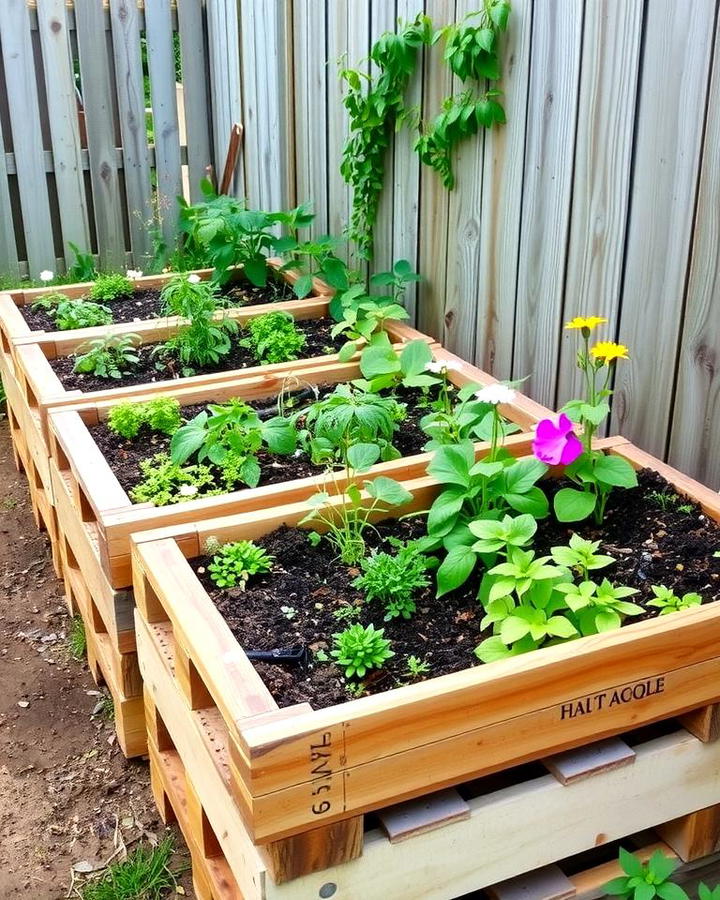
(155, 367)
(124, 456)
(671, 547)
(146, 304)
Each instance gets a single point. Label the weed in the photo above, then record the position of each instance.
(76, 639)
(144, 875)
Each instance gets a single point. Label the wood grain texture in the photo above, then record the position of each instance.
(225, 85)
(64, 128)
(131, 110)
(601, 181)
(552, 104)
(665, 175)
(503, 164)
(23, 106)
(97, 93)
(695, 435)
(8, 246)
(383, 19)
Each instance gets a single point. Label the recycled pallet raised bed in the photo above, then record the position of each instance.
(296, 770)
(38, 387)
(96, 516)
(417, 848)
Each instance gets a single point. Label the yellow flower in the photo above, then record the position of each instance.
(607, 351)
(588, 322)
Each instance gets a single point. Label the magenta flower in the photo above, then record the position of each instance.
(556, 442)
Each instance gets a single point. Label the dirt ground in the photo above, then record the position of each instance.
(68, 798)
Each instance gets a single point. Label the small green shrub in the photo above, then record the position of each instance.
(361, 648)
(81, 314)
(161, 415)
(165, 482)
(109, 357)
(112, 286)
(274, 338)
(235, 563)
(393, 580)
(49, 302)
(667, 601)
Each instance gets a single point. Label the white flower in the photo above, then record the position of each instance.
(133, 273)
(188, 490)
(496, 393)
(194, 279)
(437, 368)
(46, 275)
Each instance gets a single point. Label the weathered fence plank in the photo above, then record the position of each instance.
(603, 156)
(8, 248)
(552, 106)
(96, 87)
(161, 65)
(125, 23)
(382, 18)
(695, 438)
(26, 134)
(64, 128)
(667, 152)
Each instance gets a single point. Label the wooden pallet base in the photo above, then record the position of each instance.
(118, 671)
(507, 819)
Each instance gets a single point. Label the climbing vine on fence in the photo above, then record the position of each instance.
(377, 105)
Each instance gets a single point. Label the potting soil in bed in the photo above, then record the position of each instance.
(651, 545)
(124, 456)
(146, 304)
(157, 367)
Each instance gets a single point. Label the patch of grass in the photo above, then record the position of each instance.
(77, 642)
(144, 875)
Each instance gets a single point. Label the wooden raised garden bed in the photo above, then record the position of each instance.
(96, 516)
(300, 779)
(34, 386)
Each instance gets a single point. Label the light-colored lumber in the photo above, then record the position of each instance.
(704, 723)
(695, 835)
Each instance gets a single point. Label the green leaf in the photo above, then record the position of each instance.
(362, 456)
(303, 286)
(347, 351)
(444, 511)
(513, 629)
(250, 472)
(616, 886)
(455, 569)
(573, 506)
(615, 471)
(559, 626)
(645, 892)
(630, 864)
(379, 359)
(387, 490)
(256, 271)
(188, 440)
(607, 620)
(493, 649)
(534, 502)
(662, 866)
(451, 464)
(670, 891)
(280, 436)
(414, 357)
(522, 475)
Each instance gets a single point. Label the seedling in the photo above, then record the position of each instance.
(109, 357)
(237, 562)
(144, 875)
(416, 668)
(667, 601)
(394, 579)
(360, 649)
(645, 881)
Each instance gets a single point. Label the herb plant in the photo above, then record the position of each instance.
(235, 563)
(161, 415)
(599, 607)
(274, 338)
(667, 601)
(230, 436)
(81, 314)
(393, 579)
(594, 473)
(645, 881)
(183, 295)
(165, 482)
(581, 555)
(109, 357)
(416, 668)
(206, 340)
(112, 286)
(360, 648)
(49, 302)
(83, 266)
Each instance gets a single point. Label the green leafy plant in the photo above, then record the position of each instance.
(350, 426)
(165, 482)
(160, 415)
(109, 287)
(346, 613)
(345, 523)
(393, 579)
(594, 472)
(108, 357)
(581, 555)
(471, 50)
(83, 266)
(468, 418)
(667, 601)
(645, 881)
(49, 302)
(308, 259)
(237, 562)
(76, 639)
(416, 668)
(144, 875)
(274, 338)
(230, 436)
(599, 607)
(81, 314)
(183, 295)
(383, 368)
(376, 106)
(707, 893)
(206, 340)
(360, 649)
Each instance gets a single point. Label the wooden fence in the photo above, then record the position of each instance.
(601, 195)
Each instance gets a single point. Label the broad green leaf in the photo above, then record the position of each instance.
(670, 891)
(414, 357)
(617, 886)
(250, 472)
(347, 351)
(256, 271)
(362, 456)
(558, 626)
(186, 441)
(513, 628)
(662, 866)
(630, 864)
(303, 286)
(573, 506)
(387, 490)
(493, 649)
(522, 475)
(607, 620)
(455, 569)
(451, 464)
(280, 435)
(444, 511)
(533, 502)
(615, 471)
(377, 360)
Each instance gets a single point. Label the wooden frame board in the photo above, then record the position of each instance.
(421, 737)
